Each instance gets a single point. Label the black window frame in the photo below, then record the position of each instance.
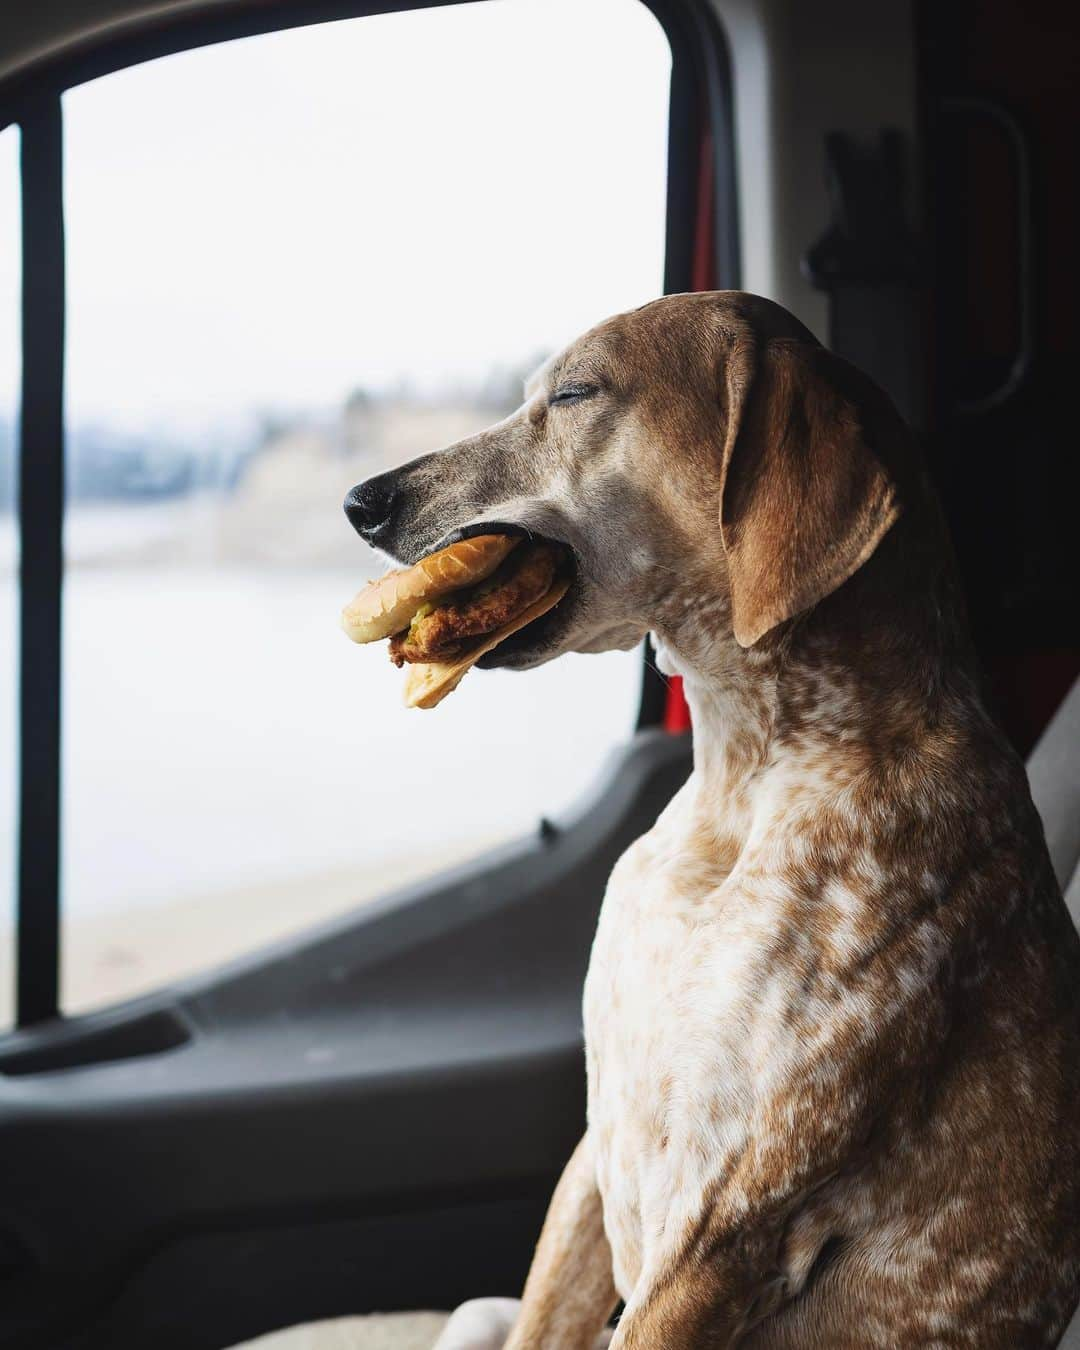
(700, 122)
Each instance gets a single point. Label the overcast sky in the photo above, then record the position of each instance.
(272, 222)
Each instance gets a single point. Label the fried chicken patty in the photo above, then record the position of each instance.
(443, 631)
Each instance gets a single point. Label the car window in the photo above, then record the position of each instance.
(293, 261)
(9, 580)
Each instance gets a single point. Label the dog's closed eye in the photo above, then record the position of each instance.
(572, 393)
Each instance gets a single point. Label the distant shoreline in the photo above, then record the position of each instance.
(118, 955)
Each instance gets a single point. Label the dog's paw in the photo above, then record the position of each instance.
(480, 1324)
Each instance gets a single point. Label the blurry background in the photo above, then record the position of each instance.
(293, 261)
(296, 259)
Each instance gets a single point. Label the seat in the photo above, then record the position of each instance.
(378, 1331)
(1054, 772)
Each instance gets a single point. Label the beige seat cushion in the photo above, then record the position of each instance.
(380, 1331)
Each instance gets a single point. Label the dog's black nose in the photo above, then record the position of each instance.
(369, 505)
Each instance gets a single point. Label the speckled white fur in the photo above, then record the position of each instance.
(684, 1023)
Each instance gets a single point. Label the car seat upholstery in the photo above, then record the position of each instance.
(380, 1331)
(1054, 771)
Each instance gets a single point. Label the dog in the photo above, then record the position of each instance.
(832, 1013)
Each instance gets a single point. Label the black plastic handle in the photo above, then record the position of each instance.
(977, 106)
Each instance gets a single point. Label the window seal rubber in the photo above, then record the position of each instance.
(40, 517)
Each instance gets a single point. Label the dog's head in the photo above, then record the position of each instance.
(708, 463)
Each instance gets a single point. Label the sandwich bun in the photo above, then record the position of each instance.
(428, 682)
(386, 606)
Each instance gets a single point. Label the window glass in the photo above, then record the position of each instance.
(10, 369)
(293, 261)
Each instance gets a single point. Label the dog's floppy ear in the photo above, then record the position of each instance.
(804, 499)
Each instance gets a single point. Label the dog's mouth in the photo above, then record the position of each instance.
(540, 639)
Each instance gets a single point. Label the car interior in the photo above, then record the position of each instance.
(290, 987)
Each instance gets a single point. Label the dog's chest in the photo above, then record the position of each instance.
(677, 1025)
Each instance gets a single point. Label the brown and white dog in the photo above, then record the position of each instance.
(832, 1013)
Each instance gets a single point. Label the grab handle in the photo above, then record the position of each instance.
(1024, 356)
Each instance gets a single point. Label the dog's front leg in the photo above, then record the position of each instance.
(570, 1292)
(707, 1298)
(679, 1316)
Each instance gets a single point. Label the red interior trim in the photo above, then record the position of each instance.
(676, 709)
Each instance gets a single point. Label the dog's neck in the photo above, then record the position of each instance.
(867, 676)
(734, 700)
